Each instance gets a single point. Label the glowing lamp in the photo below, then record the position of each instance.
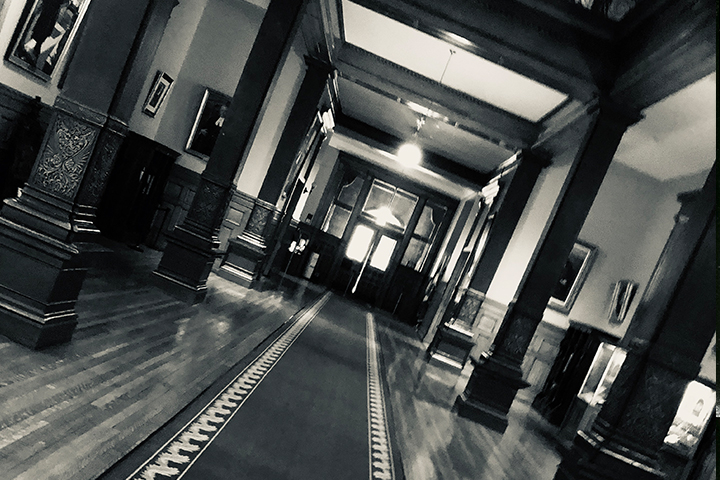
(409, 155)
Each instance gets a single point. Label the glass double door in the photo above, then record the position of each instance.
(367, 258)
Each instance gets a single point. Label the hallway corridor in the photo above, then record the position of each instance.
(314, 375)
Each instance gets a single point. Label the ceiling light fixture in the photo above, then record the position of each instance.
(410, 154)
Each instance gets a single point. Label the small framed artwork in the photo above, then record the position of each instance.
(574, 274)
(209, 120)
(159, 90)
(44, 35)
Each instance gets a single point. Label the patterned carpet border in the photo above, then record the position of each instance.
(381, 463)
(179, 453)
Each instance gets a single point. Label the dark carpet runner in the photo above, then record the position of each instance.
(310, 406)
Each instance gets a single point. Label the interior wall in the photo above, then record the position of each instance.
(528, 232)
(15, 77)
(318, 180)
(272, 121)
(629, 223)
(215, 59)
(169, 58)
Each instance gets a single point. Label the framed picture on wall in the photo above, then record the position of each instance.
(574, 274)
(209, 119)
(44, 35)
(158, 91)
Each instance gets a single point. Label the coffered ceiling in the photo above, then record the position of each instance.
(465, 88)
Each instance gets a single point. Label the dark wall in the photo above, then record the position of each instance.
(23, 121)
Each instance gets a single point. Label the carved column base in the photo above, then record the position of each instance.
(186, 264)
(593, 459)
(246, 255)
(84, 212)
(490, 392)
(40, 280)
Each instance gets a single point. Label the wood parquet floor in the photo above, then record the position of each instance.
(435, 443)
(137, 357)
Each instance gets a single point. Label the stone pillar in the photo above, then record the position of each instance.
(666, 341)
(193, 246)
(498, 376)
(42, 269)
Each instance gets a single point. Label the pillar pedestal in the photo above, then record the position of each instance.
(490, 392)
(37, 309)
(42, 269)
(243, 261)
(498, 376)
(193, 246)
(599, 462)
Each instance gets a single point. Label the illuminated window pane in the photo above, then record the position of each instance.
(389, 205)
(336, 221)
(425, 225)
(380, 195)
(383, 252)
(402, 206)
(430, 219)
(349, 192)
(415, 254)
(359, 243)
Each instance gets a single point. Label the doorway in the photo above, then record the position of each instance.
(367, 258)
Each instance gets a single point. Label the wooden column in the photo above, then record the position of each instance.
(296, 128)
(112, 134)
(42, 269)
(497, 378)
(666, 341)
(512, 204)
(192, 248)
(287, 162)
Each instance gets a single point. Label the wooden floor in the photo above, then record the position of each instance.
(138, 357)
(437, 444)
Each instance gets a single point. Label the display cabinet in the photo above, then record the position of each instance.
(572, 363)
(691, 418)
(687, 441)
(594, 390)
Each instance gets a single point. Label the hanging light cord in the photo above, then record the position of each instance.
(447, 64)
(421, 121)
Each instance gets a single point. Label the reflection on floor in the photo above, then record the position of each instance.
(139, 357)
(437, 444)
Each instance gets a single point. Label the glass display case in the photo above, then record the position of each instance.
(691, 419)
(603, 371)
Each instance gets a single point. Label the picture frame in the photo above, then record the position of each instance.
(209, 120)
(574, 274)
(44, 35)
(158, 91)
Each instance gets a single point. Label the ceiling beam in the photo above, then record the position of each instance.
(397, 82)
(432, 161)
(566, 47)
(666, 51)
